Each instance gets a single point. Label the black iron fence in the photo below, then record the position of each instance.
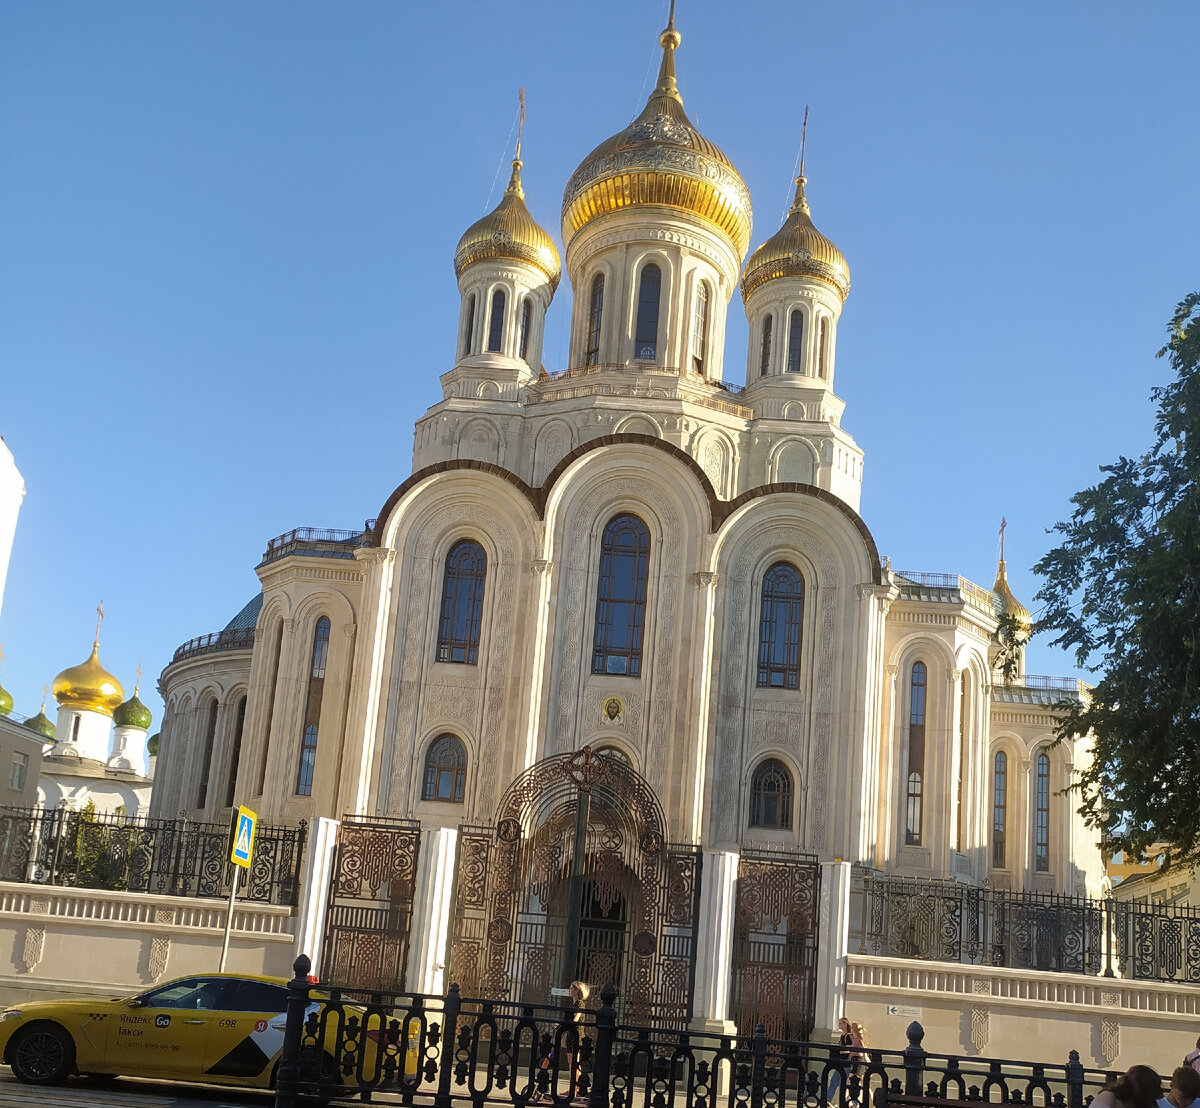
(947, 921)
(175, 857)
(453, 1050)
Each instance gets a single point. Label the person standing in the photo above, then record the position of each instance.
(1185, 1087)
(1192, 1058)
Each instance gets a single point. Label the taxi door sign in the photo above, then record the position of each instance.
(243, 837)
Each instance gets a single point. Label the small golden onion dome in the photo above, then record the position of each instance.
(88, 686)
(509, 231)
(660, 160)
(1009, 604)
(797, 249)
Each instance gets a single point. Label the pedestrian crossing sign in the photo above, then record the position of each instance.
(243, 837)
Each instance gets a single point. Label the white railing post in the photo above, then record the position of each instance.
(834, 915)
(714, 943)
(433, 906)
(314, 889)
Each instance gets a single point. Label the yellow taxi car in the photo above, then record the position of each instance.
(222, 1029)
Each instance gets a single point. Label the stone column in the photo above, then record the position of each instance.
(714, 944)
(314, 889)
(834, 921)
(433, 906)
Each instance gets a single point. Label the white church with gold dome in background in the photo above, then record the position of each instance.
(631, 571)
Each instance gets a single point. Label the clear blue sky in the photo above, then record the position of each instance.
(227, 229)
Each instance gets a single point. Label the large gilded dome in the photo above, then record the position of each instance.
(1008, 604)
(88, 686)
(509, 231)
(660, 160)
(797, 249)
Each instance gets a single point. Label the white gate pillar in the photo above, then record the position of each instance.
(714, 942)
(314, 889)
(832, 948)
(429, 931)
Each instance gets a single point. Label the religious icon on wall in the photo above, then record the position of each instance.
(614, 709)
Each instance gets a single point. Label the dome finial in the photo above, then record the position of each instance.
(669, 40)
(514, 182)
(99, 620)
(800, 204)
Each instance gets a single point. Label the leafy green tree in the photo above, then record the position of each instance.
(1122, 589)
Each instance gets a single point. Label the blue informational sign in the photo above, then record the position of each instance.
(243, 837)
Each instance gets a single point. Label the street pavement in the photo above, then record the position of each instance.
(125, 1092)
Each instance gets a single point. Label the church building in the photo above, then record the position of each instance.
(623, 613)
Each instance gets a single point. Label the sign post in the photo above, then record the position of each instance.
(241, 850)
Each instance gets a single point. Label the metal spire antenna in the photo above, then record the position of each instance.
(803, 139)
(137, 684)
(521, 122)
(99, 620)
(797, 166)
(671, 17)
(1003, 526)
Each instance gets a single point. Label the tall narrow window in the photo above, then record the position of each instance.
(1041, 825)
(645, 338)
(999, 809)
(469, 328)
(621, 597)
(960, 823)
(496, 323)
(312, 709)
(526, 316)
(235, 754)
(445, 770)
(771, 795)
(206, 753)
(914, 800)
(795, 361)
(700, 328)
(823, 348)
(462, 603)
(780, 618)
(595, 319)
(764, 361)
(272, 690)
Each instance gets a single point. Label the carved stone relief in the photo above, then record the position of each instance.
(980, 1027)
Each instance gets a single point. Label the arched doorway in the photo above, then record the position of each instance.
(577, 881)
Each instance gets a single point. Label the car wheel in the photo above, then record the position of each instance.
(42, 1054)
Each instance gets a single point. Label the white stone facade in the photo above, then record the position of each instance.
(728, 481)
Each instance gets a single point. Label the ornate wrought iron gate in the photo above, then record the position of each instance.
(577, 882)
(775, 943)
(370, 902)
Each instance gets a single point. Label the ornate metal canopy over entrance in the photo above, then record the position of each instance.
(577, 882)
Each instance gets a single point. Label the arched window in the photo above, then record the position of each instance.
(462, 603)
(615, 753)
(999, 808)
(771, 795)
(645, 338)
(914, 800)
(445, 770)
(779, 623)
(312, 708)
(469, 328)
(1041, 823)
(595, 318)
(795, 361)
(526, 317)
(823, 348)
(272, 687)
(496, 325)
(764, 361)
(206, 753)
(621, 597)
(700, 328)
(235, 753)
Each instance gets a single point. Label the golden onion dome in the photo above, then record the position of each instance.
(88, 686)
(660, 160)
(509, 231)
(797, 249)
(1009, 604)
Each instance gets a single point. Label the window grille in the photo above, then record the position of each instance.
(462, 603)
(621, 597)
(780, 619)
(445, 770)
(771, 795)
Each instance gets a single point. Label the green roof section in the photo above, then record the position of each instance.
(133, 713)
(41, 724)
